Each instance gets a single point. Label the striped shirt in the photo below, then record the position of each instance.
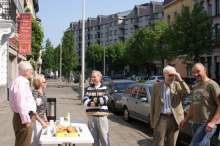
(166, 108)
(95, 100)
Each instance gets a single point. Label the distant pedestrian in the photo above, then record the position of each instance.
(166, 109)
(95, 100)
(23, 105)
(39, 84)
(204, 108)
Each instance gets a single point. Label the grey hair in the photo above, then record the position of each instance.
(97, 72)
(168, 69)
(23, 66)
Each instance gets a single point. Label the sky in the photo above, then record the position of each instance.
(56, 15)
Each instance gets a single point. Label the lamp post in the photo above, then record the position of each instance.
(83, 50)
(104, 60)
(61, 63)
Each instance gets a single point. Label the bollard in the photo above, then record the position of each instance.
(51, 109)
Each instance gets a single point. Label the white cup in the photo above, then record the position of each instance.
(48, 131)
(51, 123)
(61, 120)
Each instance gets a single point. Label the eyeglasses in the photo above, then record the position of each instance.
(171, 75)
(44, 82)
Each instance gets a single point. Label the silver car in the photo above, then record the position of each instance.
(155, 79)
(136, 102)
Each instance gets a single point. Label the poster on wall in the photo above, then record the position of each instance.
(24, 33)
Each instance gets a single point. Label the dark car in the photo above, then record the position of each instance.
(136, 102)
(185, 135)
(116, 90)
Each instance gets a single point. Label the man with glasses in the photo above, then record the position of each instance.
(23, 105)
(205, 107)
(166, 109)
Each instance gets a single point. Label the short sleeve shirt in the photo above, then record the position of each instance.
(204, 103)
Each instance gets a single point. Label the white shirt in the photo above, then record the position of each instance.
(166, 108)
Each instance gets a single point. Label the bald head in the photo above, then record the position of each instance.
(199, 72)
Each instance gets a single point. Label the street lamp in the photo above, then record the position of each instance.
(61, 63)
(104, 60)
(83, 50)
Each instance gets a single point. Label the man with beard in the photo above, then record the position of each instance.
(205, 107)
(166, 107)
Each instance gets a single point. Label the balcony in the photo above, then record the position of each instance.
(121, 26)
(7, 10)
(121, 35)
(135, 23)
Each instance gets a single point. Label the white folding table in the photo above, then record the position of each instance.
(84, 137)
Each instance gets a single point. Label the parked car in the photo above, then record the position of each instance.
(185, 135)
(136, 102)
(116, 90)
(106, 78)
(142, 79)
(155, 79)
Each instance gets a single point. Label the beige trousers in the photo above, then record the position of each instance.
(165, 128)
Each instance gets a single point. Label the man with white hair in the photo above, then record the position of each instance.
(23, 105)
(95, 100)
(166, 109)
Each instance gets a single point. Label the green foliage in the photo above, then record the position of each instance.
(36, 40)
(69, 57)
(94, 56)
(114, 56)
(190, 36)
(33, 65)
(48, 56)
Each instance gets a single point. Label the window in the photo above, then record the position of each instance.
(111, 24)
(87, 29)
(91, 36)
(97, 28)
(86, 45)
(217, 7)
(126, 31)
(91, 29)
(209, 9)
(102, 42)
(134, 91)
(128, 91)
(217, 28)
(142, 93)
(132, 30)
(147, 18)
(110, 33)
(106, 34)
(116, 23)
(102, 26)
(106, 25)
(132, 20)
(96, 36)
(126, 22)
(168, 19)
(140, 19)
(126, 40)
(77, 46)
(101, 35)
(106, 43)
(86, 37)
(156, 16)
(115, 32)
(115, 40)
(110, 42)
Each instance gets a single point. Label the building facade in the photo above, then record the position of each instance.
(9, 57)
(118, 27)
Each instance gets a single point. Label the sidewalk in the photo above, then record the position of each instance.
(67, 100)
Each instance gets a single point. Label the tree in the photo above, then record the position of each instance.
(155, 42)
(190, 36)
(48, 56)
(114, 55)
(136, 50)
(36, 39)
(94, 57)
(69, 57)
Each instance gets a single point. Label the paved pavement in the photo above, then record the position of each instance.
(67, 100)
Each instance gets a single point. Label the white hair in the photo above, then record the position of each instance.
(168, 69)
(23, 66)
(97, 72)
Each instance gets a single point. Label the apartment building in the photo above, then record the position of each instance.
(118, 27)
(9, 57)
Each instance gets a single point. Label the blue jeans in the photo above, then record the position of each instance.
(200, 137)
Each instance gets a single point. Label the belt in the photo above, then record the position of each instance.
(166, 115)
